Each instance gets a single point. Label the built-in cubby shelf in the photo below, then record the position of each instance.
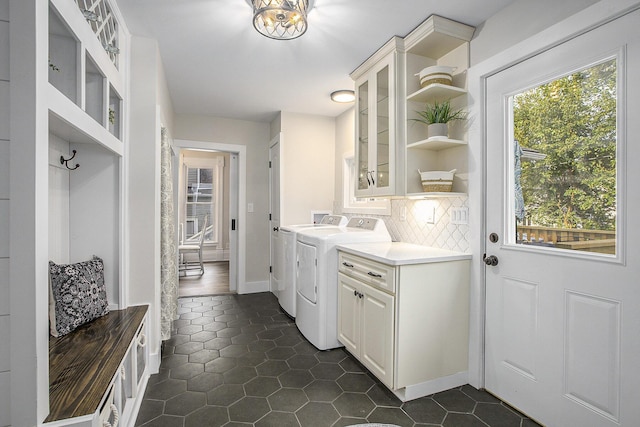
(115, 110)
(436, 92)
(436, 143)
(93, 90)
(434, 195)
(436, 42)
(81, 69)
(63, 58)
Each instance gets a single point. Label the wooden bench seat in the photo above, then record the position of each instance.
(82, 364)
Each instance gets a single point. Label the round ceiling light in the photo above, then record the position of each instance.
(281, 19)
(343, 96)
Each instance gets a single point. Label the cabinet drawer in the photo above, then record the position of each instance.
(379, 275)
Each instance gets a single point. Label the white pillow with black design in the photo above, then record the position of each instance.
(78, 295)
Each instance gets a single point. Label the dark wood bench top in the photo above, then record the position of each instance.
(83, 362)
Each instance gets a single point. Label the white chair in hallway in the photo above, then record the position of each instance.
(185, 249)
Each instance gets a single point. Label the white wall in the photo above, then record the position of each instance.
(307, 166)
(255, 136)
(516, 22)
(5, 355)
(149, 105)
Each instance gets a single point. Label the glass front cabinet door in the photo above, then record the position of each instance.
(375, 141)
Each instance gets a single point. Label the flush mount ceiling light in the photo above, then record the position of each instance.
(281, 19)
(343, 96)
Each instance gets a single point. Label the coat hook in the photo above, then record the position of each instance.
(65, 162)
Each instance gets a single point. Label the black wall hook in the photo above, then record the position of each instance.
(65, 162)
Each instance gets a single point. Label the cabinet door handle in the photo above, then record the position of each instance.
(355, 293)
(346, 264)
(372, 274)
(368, 180)
(373, 180)
(360, 295)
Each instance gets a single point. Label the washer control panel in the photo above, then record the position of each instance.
(363, 223)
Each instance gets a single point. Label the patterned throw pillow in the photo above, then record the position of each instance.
(79, 294)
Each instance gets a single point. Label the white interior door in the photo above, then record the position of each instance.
(562, 318)
(275, 245)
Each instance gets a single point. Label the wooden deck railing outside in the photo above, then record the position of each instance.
(601, 241)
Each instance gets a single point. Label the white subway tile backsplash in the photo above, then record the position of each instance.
(416, 229)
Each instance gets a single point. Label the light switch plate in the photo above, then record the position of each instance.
(459, 216)
(249, 207)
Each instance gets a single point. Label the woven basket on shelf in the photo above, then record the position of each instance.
(437, 186)
(437, 181)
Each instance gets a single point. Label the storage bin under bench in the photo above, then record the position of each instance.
(98, 372)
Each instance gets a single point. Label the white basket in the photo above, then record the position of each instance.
(437, 181)
(436, 74)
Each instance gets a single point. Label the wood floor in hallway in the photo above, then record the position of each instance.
(214, 281)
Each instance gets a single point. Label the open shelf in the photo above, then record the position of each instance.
(63, 58)
(436, 92)
(434, 195)
(436, 143)
(70, 122)
(94, 90)
(115, 113)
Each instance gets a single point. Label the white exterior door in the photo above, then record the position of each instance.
(275, 244)
(562, 319)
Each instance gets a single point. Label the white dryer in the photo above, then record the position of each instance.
(286, 292)
(317, 276)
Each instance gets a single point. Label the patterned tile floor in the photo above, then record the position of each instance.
(238, 360)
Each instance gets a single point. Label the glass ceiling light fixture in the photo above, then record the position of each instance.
(343, 96)
(280, 19)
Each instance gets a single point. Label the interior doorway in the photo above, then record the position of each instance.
(209, 186)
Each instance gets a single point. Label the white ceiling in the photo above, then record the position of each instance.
(218, 65)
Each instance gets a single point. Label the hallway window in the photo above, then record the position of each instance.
(203, 190)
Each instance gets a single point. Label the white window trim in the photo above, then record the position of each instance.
(218, 167)
(352, 204)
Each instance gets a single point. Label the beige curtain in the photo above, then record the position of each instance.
(168, 250)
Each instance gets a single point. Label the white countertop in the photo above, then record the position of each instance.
(400, 253)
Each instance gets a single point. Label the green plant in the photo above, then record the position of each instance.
(439, 113)
(112, 116)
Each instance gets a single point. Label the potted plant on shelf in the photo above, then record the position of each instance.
(437, 116)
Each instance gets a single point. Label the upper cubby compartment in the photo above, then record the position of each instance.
(86, 94)
(94, 90)
(63, 58)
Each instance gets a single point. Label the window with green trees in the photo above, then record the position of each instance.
(567, 131)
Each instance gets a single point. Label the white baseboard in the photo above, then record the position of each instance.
(254, 287)
(426, 388)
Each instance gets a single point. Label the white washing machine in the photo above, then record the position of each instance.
(317, 276)
(286, 292)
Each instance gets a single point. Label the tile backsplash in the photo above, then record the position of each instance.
(426, 222)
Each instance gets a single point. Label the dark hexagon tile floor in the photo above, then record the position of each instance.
(238, 360)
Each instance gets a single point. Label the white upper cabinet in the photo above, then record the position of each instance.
(390, 145)
(377, 117)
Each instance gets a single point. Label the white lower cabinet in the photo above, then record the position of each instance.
(407, 324)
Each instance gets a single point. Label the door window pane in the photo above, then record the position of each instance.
(564, 138)
(200, 203)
